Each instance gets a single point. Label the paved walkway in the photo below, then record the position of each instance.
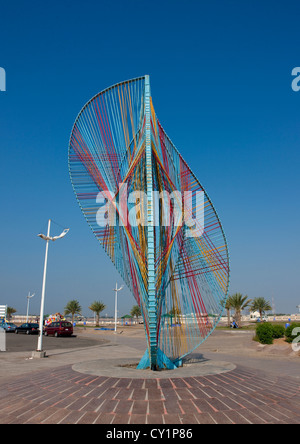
(61, 390)
(65, 396)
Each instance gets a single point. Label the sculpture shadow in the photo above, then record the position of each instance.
(194, 358)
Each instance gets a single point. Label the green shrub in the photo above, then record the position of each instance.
(289, 330)
(278, 331)
(264, 333)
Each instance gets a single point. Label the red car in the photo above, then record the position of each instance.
(59, 328)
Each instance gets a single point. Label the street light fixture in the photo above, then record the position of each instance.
(28, 299)
(116, 303)
(46, 238)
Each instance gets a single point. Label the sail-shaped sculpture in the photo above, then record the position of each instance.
(152, 217)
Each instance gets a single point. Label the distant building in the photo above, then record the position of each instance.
(254, 314)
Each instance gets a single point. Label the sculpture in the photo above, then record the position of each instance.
(152, 217)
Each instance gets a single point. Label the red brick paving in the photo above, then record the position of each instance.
(64, 396)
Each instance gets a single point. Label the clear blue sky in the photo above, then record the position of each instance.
(221, 83)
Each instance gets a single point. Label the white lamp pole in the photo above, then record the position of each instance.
(46, 238)
(40, 341)
(28, 299)
(116, 304)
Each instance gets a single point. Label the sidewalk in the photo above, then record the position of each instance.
(88, 386)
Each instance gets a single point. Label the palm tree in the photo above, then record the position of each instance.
(261, 305)
(238, 303)
(97, 307)
(10, 311)
(136, 311)
(73, 307)
(228, 307)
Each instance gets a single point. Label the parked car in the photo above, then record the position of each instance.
(8, 326)
(28, 328)
(59, 328)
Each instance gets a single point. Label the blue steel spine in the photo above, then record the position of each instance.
(152, 303)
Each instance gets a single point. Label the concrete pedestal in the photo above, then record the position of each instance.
(39, 354)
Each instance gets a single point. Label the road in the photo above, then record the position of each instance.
(25, 343)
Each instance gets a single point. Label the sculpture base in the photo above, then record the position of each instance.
(127, 368)
(163, 362)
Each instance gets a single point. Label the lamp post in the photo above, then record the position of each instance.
(28, 299)
(47, 238)
(116, 304)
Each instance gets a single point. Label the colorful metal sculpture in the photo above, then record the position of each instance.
(153, 218)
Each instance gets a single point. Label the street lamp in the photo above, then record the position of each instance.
(46, 238)
(28, 299)
(116, 304)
